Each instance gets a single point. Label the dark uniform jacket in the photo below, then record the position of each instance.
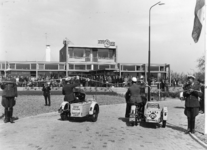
(133, 94)
(142, 88)
(46, 90)
(203, 91)
(191, 99)
(9, 88)
(67, 90)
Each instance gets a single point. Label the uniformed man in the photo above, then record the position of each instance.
(142, 91)
(191, 94)
(142, 86)
(9, 95)
(132, 96)
(67, 89)
(46, 93)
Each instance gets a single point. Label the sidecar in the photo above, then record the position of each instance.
(79, 108)
(153, 113)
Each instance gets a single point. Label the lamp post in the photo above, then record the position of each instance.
(149, 82)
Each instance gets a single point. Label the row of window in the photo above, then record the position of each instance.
(142, 68)
(89, 67)
(57, 66)
(79, 67)
(100, 53)
(34, 66)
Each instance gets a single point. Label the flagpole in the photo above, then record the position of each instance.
(205, 96)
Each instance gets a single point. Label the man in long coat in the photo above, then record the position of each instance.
(67, 89)
(191, 94)
(9, 95)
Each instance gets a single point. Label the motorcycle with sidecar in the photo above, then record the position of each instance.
(81, 107)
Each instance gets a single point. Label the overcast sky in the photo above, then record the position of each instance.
(24, 24)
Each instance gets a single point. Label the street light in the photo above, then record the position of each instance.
(149, 82)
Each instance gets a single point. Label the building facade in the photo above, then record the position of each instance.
(83, 60)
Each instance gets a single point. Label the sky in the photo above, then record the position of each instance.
(27, 26)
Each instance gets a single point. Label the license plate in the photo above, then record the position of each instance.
(75, 114)
(76, 108)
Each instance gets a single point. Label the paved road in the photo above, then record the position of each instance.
(110, 132)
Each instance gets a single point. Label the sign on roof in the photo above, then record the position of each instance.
(106, 43)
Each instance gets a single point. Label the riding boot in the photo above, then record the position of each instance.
(189, 126)
(45, 100)
(6, 119)
(193, 126)
(49, 100)
(11, 115)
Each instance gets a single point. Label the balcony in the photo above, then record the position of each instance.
(78, 59)
(94, 59)
(104, 59)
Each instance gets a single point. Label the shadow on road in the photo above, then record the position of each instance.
(149, 125)
(174, 127)
(78, 120)
(179, 107)
(126, 120)
(142, 124)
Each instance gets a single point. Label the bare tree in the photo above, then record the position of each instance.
(201, 63)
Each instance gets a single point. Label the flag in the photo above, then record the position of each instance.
(199, 14)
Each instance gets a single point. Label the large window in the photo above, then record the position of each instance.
(12, 66)
(154, 68)
(113, 66)
(41, 66)
(51, 66)
(79, 52)
(103, 67)
(88, 67)
(80, 67)
(22, 66)
(61, 66)
(88, 53)
(162, 68)
(71, 66)
(95, 67)
(3, 66)
(33, 66)
(103, 53)
(70, 51)
(138, 68)
(111, 54)
(129, 68)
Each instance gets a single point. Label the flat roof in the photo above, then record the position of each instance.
(94, 46)
(152, 64)
(27, 62)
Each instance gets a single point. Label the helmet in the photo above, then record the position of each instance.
(141, 77)
(68, 79)
(134, 79)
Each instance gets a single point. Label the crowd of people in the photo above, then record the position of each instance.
(91, 81)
